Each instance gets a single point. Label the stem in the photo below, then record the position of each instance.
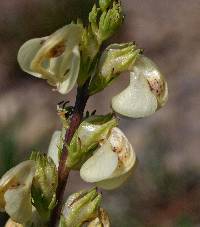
(63, 171)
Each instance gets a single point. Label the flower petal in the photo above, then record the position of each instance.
(146, 93)
(26, 54)
(115, 182)
(101, 165)
(15, 191)
(136, 100)
(55, 143)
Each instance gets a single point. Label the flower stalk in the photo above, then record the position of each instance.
(63, 170)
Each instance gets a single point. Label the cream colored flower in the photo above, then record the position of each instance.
(15, 191)
(55, 58)
(111, 164)
(146, 93)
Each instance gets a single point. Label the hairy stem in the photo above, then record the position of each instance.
(63, 171)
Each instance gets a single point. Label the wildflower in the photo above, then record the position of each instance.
(55, 58)
(112, 163)
(146, 93)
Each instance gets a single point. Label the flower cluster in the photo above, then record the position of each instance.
(95, 146)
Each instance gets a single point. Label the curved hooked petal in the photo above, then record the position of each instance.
(145, 94)
(101, 165)
(111, 164)
(15, 191)
(55, 58)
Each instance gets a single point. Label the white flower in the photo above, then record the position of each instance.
(146, 93)
(15, 191)
(111, 164)
(55, 58)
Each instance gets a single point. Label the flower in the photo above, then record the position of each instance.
(111, 163)
(80, 208)
(55, 58)
(15, 191)
(146, 93)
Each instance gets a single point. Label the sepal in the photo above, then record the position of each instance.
(44, 184)
(116, 58)
(80, 208)
(87, 137)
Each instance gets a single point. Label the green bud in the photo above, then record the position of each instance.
(115, 59)
(87, 137)
(110, 21)
(80, 208)
(106, 22)
(104, 4)
(44, 184)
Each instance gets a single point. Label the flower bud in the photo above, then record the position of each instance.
(80, 208)
(115, 59)
(104, 24)
(101, 221)
(15, 191)
(44, 184)
(104, 4)
(55, 58)
(146, 93)
(87, 137)
(110, 21)
(111, 164)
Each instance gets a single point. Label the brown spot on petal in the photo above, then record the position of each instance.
(156, 86)
(57, 50)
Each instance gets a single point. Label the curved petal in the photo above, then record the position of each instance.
(15, 191)
(136, 100)
(72, 75)
(146, 93)
(26, 54)
(115, 182)
(124, 150)
(101, 165)
(55, 143)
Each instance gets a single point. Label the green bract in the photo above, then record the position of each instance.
(146, 93)
(104, 4)
(80, 208)
(15, 192)
(89, 134)
(115, 59)
(44, 184)
(55, 58)
(111, 164)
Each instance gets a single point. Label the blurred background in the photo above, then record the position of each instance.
(164, 190)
